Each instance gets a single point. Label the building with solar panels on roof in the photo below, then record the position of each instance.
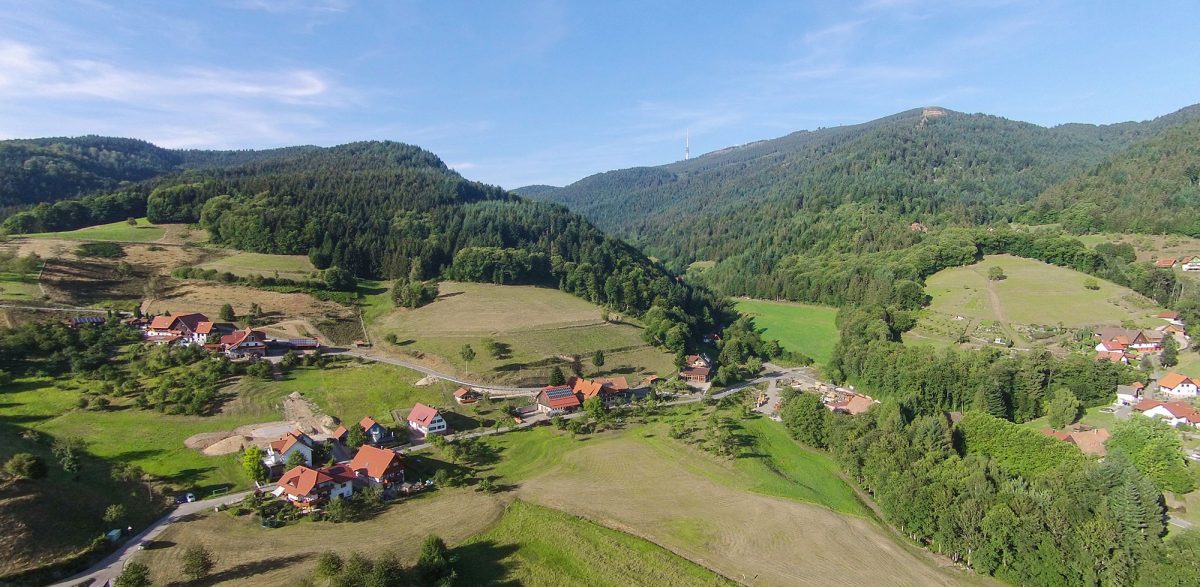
(557, 399)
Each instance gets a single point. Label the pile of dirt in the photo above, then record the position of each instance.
(231, 444)
(205, 439)
(427, 381)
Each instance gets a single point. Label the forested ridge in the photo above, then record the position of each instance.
(848, 190)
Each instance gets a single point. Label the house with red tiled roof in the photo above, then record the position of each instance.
(465, 395)
(1191, 263)
(425, 420)
(1178, 385)
(1166, 262)
(244, 343)
(1112, 356)
(177, 327)
(853, 404)
(696, 369)
(306, 488)
(375, 432)
(1174, 413)
(1087, 439)
(378, 466)
(557, 399)
(277, 452)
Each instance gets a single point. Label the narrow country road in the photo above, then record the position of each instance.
(110, 567)
(498, 391)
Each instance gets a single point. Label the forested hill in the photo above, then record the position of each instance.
(1152, 186)
(847, 188)
(51, 169)
(392, 211)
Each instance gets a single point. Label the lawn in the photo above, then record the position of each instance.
(144, 232)
(539, 327)
(533, 545)
(246, 264)
(801, 328)
(1091, 417)
(19, 288)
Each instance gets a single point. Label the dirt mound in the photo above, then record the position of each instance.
(205, 439)
(426, 381)
(231, 444)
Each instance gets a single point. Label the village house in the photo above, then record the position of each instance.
(277, 451)
(1089, 440)
(1191, 263)
(375, 432)
(244, 344)
(557, 399)
(181, 328)
(611, 390)
(306, 488)
(1178, 385)
(1166, 262)
(696, 369)
(466, 396)
(1171, 316)
(425, 420)
(1173, 413)
(850, 403)
(378, 466)
(1112, 339)
(1128, 395)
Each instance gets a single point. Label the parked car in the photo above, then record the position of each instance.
(185, 498)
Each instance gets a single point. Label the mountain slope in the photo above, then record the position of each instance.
(849, 188)
(1152, 186)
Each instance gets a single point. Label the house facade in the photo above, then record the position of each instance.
(1128, 395)
(244, 344)
(464, 395)
(1191, 263)
(426, 420)
(696, 369)
(278, 451)
(181, 328)
(1173, 413)
(1177, 385)
(557, 399)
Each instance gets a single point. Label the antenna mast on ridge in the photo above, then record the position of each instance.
(687, 144)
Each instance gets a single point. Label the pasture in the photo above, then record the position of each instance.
(535, 329)
(143, 232)
(296, 267)
(802, 328)
(1032, 301)
(19, 288)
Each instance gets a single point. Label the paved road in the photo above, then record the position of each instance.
(54, 309)
(497, 391)
(109, 568)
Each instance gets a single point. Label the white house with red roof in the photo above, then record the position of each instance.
(244, 343)
(1173, 413)
(278, 451)
(425, 420)
(182, 328)
(557, 399)
(1191, 263)
(378, 466)
(1177, 385)
(305, 487)
(466, 395)
(696, 369)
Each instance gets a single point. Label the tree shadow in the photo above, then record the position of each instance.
(248, 570)
(459, 422)
(482, 563)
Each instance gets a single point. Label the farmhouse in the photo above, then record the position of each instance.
(1089, 440)
(278, 451)
(1166, 262)
(1171, 316)
(1191, 263)
(376, 433)
(696, 369)
(1174, 413)
(306, 488)
(182, 328)
(426, 420)
(1110, 339)
(557, 400)
(466, 396)
(377, 466)
(1175, 384)
(243, 344)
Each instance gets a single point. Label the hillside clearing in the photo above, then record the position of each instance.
(143, 232)
(800, 328)
(296, 267)
(538, 328)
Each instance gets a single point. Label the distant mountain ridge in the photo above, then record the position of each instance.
(777, 197)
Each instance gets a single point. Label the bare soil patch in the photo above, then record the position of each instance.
(208, 297)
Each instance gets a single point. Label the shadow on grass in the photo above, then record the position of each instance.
(459, 422)
(482, 563)
(248, 570)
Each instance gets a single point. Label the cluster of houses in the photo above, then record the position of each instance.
(1120, 345)
(1173, 389)
(307, 486)
(561, 399)
(1186, 263)
(195, 328)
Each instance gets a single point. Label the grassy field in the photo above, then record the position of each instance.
(19, 288)
(698, 506)
(1033, 296)
(541, 327)
(801, 328)
(538, 546)
(144, 232)
(245, 264)
(1091, 417)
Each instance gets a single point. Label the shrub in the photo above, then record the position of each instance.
(24, 465)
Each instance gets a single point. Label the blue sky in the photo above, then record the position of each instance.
(549, 92)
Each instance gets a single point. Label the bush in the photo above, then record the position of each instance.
(103, 250)
(24, 465)
(198, 562)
